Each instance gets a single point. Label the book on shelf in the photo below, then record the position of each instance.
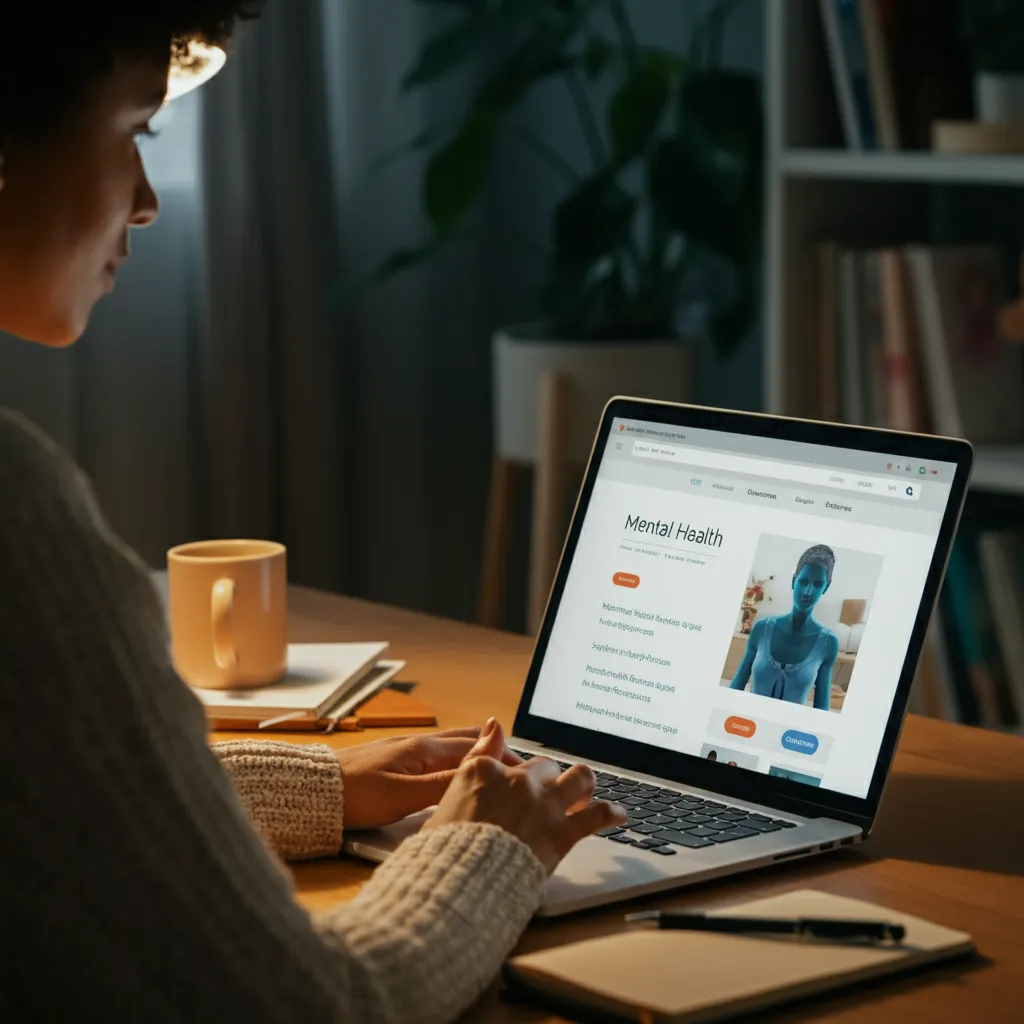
(843, 36)
(1002, 564)
(913, 338)
(898, 67)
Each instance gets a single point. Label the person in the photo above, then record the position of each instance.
(732, 764)
(712, 755)
(789, 655)
(142, 868)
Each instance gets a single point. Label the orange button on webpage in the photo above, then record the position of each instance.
(626, 579)
(740, 726)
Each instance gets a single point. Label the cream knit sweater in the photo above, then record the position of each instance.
(134, 884)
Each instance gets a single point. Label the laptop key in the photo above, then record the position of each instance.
(641, 813)
(733, 833)
(785, 824)
(688, 804)
(675, 812)
(702, 831)
(663, 820)
(664, 851)
(732, 815)
(657, 805)
(626, 784)
(695, 819)
(760, 826)
(651, 844)
(683, 839)
(606, 777)
(646, 828)
(626, 840)
(609, 832)
(759, 817)
(714, 806)
(618, 794)
(646, 787)
(633, 801)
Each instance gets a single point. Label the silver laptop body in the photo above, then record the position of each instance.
(748, 791)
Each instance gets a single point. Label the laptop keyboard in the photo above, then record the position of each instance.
(665, 821)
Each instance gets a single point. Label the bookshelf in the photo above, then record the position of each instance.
(817, 188)
(925, 168)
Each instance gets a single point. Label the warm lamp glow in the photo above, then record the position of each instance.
(202, 64)
(853, 611)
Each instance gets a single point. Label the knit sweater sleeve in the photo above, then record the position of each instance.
(291, 793)
(135, 876)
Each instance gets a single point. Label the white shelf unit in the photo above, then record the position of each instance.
(817, 189)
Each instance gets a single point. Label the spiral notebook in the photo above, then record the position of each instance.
(685, 977)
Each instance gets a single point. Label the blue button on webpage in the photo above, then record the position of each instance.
(799, 742)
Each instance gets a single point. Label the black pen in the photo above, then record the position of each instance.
(805, 927)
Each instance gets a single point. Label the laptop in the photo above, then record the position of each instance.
(731, 639)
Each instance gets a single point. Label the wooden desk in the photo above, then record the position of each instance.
(949, 844)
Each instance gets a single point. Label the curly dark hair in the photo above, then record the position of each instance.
(819, 554)
(62, 48)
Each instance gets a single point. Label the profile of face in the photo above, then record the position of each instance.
(67, 201)
(809, 584)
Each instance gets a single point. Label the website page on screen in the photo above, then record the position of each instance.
(744, 599)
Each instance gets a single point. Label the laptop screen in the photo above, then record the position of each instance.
(744, 599)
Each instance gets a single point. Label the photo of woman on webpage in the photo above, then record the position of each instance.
(789, 654)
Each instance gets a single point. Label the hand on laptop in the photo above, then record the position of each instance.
(546, 808)
(387, 780)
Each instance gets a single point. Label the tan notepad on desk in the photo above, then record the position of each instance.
(691, 976)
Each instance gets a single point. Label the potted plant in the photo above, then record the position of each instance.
(994, 32)
(672, 188)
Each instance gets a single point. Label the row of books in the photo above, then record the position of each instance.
(973, 668)
(923, 338)
(898, 66)
(917, 338)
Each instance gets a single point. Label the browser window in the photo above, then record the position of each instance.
(744, 599)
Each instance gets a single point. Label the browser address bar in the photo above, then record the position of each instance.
(881, 486)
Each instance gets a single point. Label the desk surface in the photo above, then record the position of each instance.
(949, 844)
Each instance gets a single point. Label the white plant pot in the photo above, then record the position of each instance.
(593, 372)
(999, 99)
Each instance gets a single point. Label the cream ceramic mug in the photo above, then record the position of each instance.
(229, 612)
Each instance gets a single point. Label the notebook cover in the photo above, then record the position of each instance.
(391, 709)
(682, 976)
(318, 676)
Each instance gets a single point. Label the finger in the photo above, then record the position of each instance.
(439, 753)
(511, 758)
(491, 742)
(421, 791)
(575, 786)
(543, 769)
(471, 732)
(601, 814)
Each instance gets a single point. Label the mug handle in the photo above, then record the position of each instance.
(222, 604)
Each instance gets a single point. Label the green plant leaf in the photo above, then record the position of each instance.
(456, 174)
(540, 54)
(597, 55)
(448, 50)
(593, 221)
(397, 263)
(690, 192)
(636, 110)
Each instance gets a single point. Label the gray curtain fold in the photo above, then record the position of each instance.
(357, 432)
(268, 365)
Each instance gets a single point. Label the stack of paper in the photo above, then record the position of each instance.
(322, 680)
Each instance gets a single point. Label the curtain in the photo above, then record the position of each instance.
(353, 431)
